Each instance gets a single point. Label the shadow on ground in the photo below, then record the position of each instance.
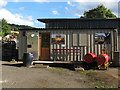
(15, 65)
(67, 66)
(61, 65)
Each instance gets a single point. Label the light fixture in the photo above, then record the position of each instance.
(32, 35)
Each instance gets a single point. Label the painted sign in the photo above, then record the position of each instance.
(101, 38)
(58, 39)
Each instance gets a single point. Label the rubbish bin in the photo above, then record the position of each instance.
(27, 59)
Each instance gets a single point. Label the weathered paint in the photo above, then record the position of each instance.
(84, 49)
(22, 44)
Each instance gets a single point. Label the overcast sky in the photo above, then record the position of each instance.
(26, 12)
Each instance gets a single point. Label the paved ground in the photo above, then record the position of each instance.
(22, 77)
(0, 49)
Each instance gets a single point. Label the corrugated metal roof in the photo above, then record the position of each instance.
(34, 29)
(39, 29)
(80, 19)
(80, 23)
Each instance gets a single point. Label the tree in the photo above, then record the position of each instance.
(6, 29)
(99, 12)
(109, 14)
(0, 28)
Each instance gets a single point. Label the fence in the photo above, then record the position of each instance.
(68, 54)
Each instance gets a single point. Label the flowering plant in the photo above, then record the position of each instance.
(15, 35)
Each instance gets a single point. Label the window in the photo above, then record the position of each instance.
(83, 39)
(45, 40)
(75, 39)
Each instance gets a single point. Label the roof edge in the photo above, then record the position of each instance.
(45, 20)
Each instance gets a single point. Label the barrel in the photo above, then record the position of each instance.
(89, 58)
(102, 59)
(27, 59)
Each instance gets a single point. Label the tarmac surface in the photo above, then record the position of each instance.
(0, 50)
(17, 76)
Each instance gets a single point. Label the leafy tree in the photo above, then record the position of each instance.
(109, 14)
(5, 28)
(99, 12)
(0, 28)
(15, 27)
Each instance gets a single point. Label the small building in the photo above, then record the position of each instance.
(70, 39)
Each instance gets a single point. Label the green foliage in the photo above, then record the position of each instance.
(15, 35)
(109, 14)
(15, 27)
(6, 29)
(0, 28)
(58, 70)
(99, 12)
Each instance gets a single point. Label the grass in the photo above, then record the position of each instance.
(113, 86)
(98, 83)
(58, 70)
(101, 84)
(95, 78)
(86, 72)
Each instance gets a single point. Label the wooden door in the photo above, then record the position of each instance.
(44, 49)
(40, 43)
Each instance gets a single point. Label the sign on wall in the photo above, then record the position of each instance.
(102, 38)
(58, 39)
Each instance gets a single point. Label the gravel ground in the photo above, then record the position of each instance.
(22, 77)
(0, 49)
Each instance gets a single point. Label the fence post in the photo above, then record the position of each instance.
(55, 55)
(77, 55)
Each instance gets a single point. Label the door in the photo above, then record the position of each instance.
(44, 46)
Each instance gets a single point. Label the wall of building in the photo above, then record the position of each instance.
(22, 45)
(33, 43)
(82, 39)
(119, 42)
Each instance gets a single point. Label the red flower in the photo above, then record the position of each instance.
(14, 33)
(11, 37)
(17, 34)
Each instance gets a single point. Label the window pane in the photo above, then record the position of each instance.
(75, 39)
(83, 39)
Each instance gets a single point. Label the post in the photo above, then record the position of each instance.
(55, 55)
(116, 58)
(77, 54)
